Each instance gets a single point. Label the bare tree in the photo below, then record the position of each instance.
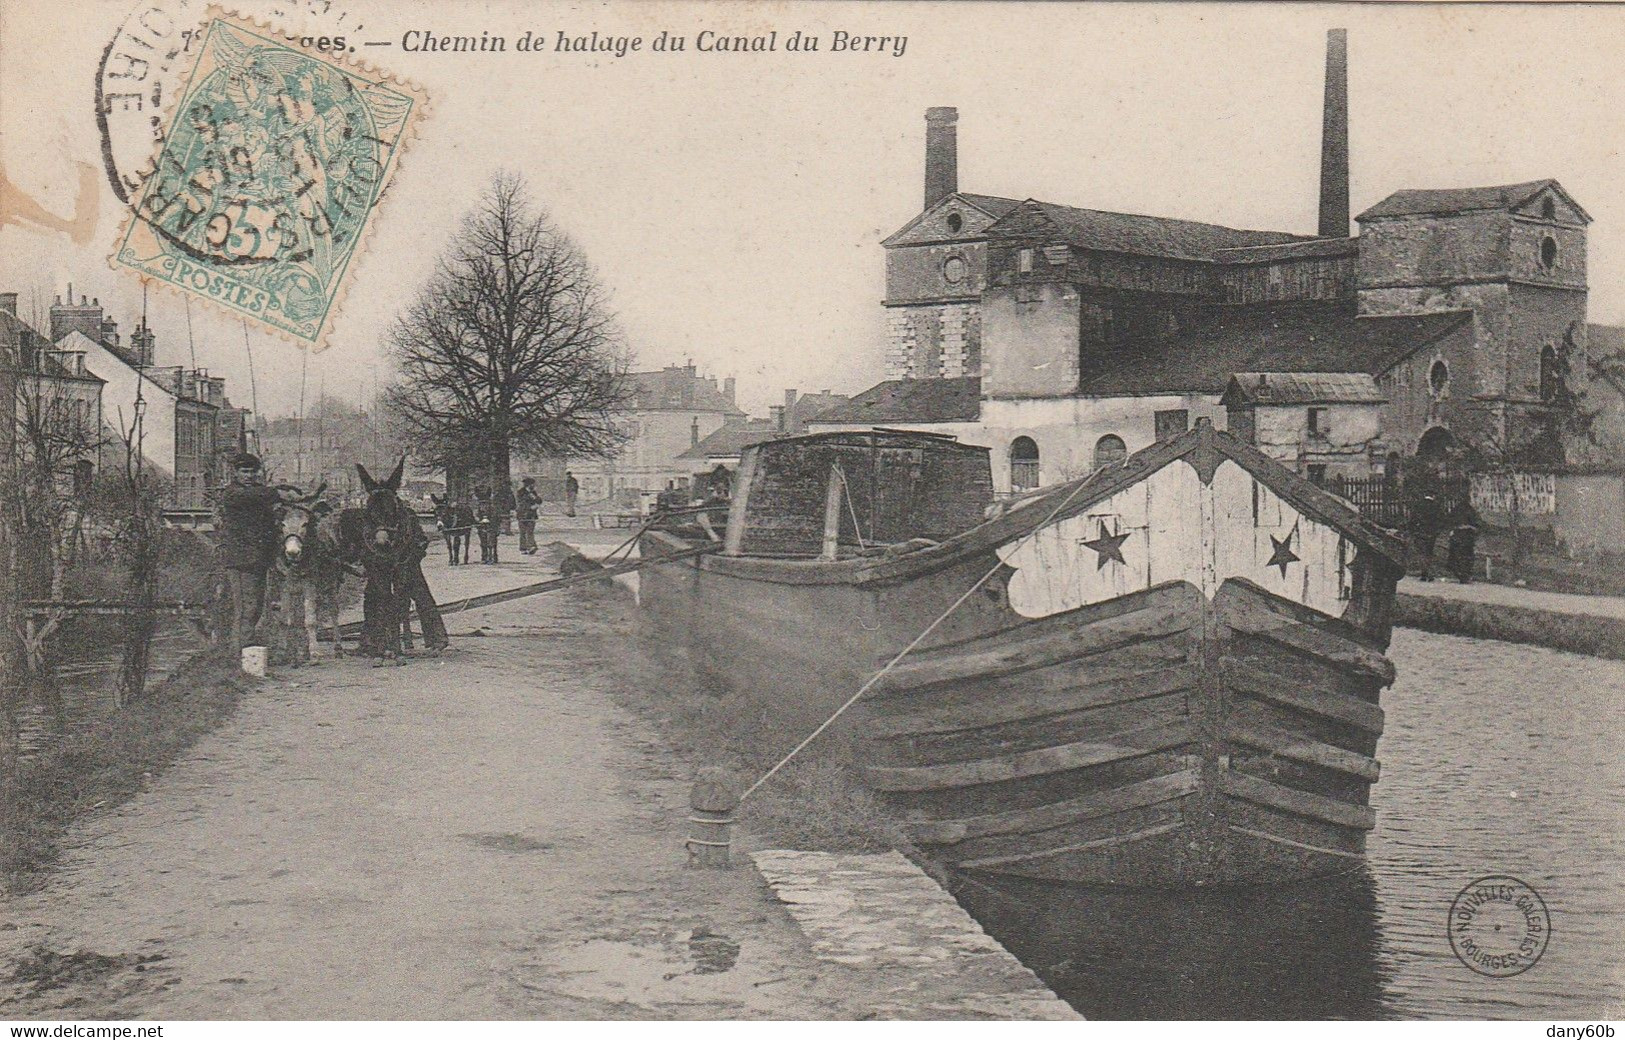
(510, 346)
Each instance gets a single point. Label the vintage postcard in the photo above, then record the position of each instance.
(654, 511)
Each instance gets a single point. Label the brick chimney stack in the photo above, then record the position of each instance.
(941, 153)
(143, 346)
(84, 317)
(1334, 139)
(8, 303)
(728, 389)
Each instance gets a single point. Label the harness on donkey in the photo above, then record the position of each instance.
(456, 522)
(385, 538)
(311, 566)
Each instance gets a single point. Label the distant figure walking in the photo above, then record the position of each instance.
(572, 488)
(485, 524)
(527, 501)
(1463, 544)
(456, 523)
(248, 539)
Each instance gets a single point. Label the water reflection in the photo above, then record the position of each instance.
(1308, 950)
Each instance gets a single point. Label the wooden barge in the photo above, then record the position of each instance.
(1165, 674)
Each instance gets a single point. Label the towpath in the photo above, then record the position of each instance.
(482, 835)
(1509, 596)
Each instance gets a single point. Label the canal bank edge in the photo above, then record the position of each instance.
(1589, 634)
(880, 913)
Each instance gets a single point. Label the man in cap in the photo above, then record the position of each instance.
(248, 537)
(528, 501)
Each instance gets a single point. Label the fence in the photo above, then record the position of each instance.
(1380, 499)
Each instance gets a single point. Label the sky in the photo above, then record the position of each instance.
(733, 203)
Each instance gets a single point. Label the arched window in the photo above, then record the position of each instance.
(1023, 464)
(1110, 450)
(1438, 378)
(1435, 443)
(1551, 380)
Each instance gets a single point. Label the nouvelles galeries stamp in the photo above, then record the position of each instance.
(269, 173)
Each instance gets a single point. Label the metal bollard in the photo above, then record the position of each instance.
(710, 825)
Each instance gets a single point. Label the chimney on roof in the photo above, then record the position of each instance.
(728, 389)
(143, 346)
(775, 415)
(1334, 139)
(8, 303)
(110, 331)
(694, 432)
(83, 317)
(941, 153)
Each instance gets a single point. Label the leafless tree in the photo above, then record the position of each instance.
(510, 346)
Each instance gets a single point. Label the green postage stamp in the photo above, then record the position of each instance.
(272, 165)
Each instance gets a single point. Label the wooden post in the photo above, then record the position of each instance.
(832, 512)
(710, 831)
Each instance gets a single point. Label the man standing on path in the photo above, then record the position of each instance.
(571, 488)
(414, 586)
(527, 502)
(248, 535)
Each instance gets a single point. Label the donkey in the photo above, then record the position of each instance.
(387, 539)
(456, 523)
(312, 568)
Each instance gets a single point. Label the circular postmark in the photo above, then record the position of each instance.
(143, 64)
(1499, 926)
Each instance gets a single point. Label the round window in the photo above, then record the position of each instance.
(1548, 251)
(955, 222)
(1438, 377)
(953, 269)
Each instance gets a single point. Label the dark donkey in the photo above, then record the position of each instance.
(386, 538)
(456, 522)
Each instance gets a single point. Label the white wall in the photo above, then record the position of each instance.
(118, 400)
(1064, 428)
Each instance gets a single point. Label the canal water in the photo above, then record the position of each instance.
(1497, 759)
(87, 679)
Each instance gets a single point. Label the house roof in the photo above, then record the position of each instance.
(732, 439)
(676, 388)
(1315, 247)
(1134, 233)
(1318, 337)
(1415, 201)
(809, 407)
(43, 350)
(994, 206)
(1275, 388)
(912, 400)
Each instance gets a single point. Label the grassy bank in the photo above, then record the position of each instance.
(812, 803)
(1577, 633)
(107, 762)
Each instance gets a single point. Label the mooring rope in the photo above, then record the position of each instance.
(916, 641)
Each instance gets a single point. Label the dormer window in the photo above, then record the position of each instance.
(1548, 252)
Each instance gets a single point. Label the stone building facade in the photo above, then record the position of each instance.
(1083, 324)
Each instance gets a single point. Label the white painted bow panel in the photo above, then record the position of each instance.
(1172, 527)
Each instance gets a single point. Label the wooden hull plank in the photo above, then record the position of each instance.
(1301, 749)
(1002, 706)
(1155, 791)
(1300, 803)
(1341, 707)
(1066, 757)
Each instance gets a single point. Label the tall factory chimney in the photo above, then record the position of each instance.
(941, 153)
(1334, 139)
